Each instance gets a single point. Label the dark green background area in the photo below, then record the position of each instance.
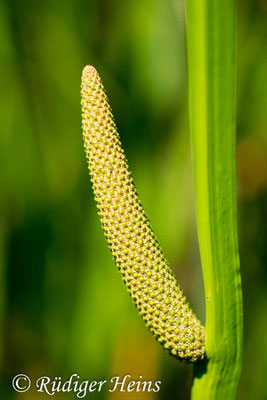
(63, 306)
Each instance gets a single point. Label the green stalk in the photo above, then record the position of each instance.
(211, 63)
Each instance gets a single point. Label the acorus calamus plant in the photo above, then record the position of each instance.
(143, 266)
(215, 352)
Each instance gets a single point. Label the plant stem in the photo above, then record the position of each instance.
(211, 62)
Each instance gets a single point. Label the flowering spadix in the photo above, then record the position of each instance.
(144, 268)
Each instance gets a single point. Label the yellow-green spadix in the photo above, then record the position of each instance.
(144, 268)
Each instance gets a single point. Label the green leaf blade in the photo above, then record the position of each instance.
(211, 60)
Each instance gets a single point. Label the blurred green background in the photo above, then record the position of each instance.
(63, 306)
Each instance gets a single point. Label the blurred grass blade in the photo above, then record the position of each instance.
(211, 61)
